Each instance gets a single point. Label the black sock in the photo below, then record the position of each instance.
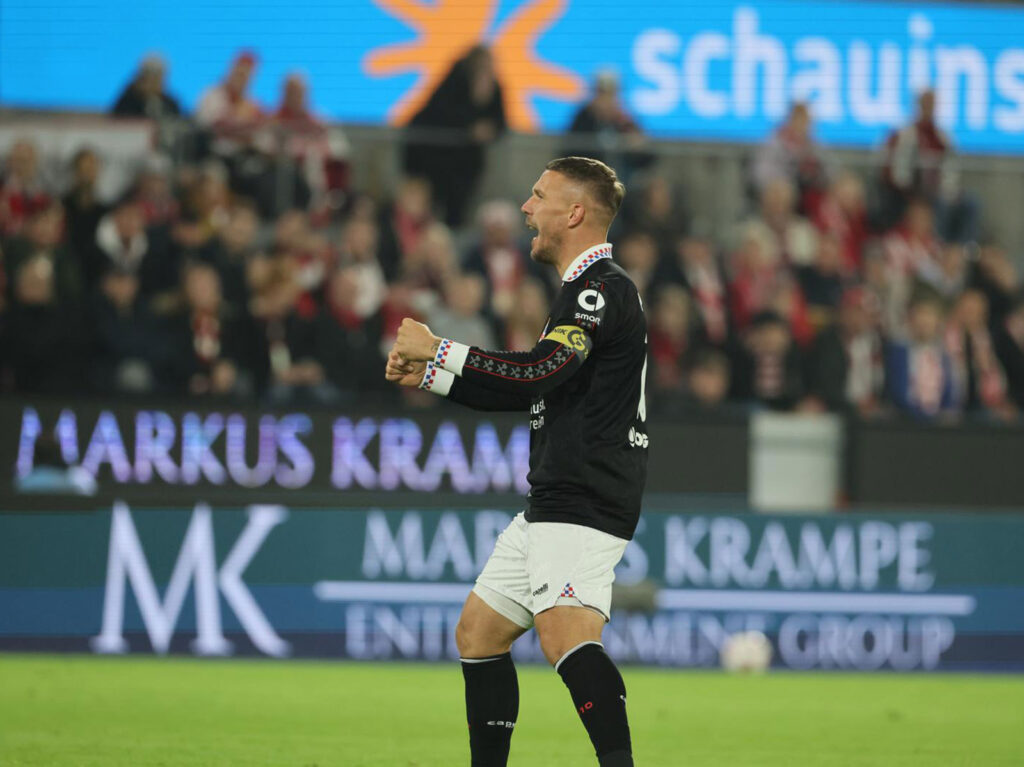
(600, 697)
(492, 706)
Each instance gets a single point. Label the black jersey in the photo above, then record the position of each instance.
(583, 385)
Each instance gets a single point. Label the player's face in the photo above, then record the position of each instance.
(547, 211)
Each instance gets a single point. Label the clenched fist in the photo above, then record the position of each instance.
(415, 342)
(403, 372)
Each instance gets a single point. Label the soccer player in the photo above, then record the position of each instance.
(583, 384)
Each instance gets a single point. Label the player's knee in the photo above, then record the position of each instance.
(554, 645)
(463, 639)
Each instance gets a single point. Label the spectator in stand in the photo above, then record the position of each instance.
(525, 323)
(319, 156)
(233, 250)
(697, 269)
(207, 201)
(767, 364)
(462, 116)
(920, 163)
(146, 95)
(1008, 340)
(670, 339)
(787, 235)
(637, 253)
(792, 154)
(403, 222)
(124, 243)
(497, 256)
(982, 384)
(461, 315)
(996, 276)
(428, 267)
(912, 254)
(287, 337)
(210, 341)
(153, 191)
(842, 214)
(22, 191)
(604, 130)
(348, 339)
(228, 112)
(46, 345)
(83, 208)
(919, 372)
(708, 379)
(42, 237)
(656, 208)
(761, 283)
(846, 368)
(359, 246)
(821, 282)
(128, 343)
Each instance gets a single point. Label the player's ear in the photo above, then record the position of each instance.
(577, 213)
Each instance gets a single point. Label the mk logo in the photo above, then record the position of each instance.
(196, 564)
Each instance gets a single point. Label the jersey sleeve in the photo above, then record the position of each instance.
(448, 385)
(579, 323)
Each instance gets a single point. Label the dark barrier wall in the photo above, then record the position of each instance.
(899, 592)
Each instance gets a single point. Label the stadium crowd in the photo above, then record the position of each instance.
(868, 295)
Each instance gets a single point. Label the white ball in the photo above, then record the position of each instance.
(746, 651)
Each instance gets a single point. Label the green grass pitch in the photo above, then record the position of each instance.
(138, 711)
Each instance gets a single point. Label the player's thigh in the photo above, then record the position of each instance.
(482, 631)
(563, 627)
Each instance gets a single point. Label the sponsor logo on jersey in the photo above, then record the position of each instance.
(589, 318)
(541, 590)
(591, 300)
(573, 337)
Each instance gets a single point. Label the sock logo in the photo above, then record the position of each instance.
(586, 707)
(541, 590)
(506, 725)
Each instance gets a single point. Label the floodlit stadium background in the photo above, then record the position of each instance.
(297, 507)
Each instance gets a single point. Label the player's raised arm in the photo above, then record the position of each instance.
(554, 359)
(429, 377)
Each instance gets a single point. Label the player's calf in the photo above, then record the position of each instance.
(599, 695)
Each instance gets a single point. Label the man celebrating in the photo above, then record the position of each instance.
(552, 568)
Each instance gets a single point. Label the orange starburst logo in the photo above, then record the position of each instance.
(448, 28)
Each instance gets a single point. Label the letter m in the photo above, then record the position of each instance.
(196, 564)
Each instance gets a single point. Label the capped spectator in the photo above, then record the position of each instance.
(462, 116)
(146, 95)
(696, 267)
(919, 372)
(227, 110)
(767, 365)
(83, 207)
(604, 130)
(792, 154)
(980, 376)
(843, 214)
(787, 235)
(497, 254)
(920, 163)
(22, 190)
(846, 368)
(670, 338)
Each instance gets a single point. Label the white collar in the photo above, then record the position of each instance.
(585, 259)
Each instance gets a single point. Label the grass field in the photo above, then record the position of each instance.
(144, 711)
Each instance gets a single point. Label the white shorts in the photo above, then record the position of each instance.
(537, 565)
